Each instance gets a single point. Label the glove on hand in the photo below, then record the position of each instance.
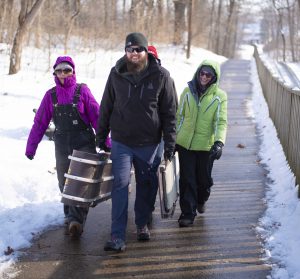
(168, 156)
(216, 150)
(102, 146)
(30, 157)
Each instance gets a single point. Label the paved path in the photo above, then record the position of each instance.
(222, 244)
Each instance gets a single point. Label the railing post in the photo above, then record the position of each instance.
(284, 109)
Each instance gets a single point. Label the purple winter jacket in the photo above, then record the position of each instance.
(88, 107)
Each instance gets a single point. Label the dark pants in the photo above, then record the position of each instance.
(142, 158)
(195, 180)
(64, 145)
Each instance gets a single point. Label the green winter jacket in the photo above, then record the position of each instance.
(202, 121)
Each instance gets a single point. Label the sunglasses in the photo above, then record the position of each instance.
(65, 71)
(136, 49)
(207, 74)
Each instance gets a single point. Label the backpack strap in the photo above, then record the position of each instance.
(77, 93)
(75, 98)
(53, 95)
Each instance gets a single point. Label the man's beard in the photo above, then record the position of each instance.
(136, 67)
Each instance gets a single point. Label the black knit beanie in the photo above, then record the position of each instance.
(136, 39)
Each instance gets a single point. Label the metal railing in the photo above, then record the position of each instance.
(284, 108)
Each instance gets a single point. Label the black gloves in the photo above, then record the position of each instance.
(102, 145)
(30, 157)
(216, 150)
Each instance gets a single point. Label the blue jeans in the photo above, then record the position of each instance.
(142, 158)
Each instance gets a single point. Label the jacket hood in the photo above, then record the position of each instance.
(211, 63)
(67, 59)
(69, 81)
(121, 65)
(195, 85)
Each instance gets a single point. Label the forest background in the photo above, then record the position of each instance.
(86, 25)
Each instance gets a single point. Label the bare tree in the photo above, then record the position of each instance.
(148, 17)
(3, 6)
(133, 13)
(7, 19)
(179, 25)
(189, 41)
(72, 10)
(37, 31)
(290, 10)
(160, 12)
(210, 44)
(95, 23)
(218, 28)
(228, 28)
(26, 17)
(10, 20)
(281, 23)
(279, 7)
(235, 36)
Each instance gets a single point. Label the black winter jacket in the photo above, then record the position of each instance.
(138, 112)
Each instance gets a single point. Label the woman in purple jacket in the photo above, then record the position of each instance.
(74, 111)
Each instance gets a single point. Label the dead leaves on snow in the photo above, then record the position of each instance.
(241, 145)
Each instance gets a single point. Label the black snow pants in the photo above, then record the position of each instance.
(71, 132)
(64, 147)
(195, 180)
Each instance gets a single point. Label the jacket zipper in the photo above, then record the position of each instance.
(211, 103)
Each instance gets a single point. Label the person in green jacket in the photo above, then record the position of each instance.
(201, 132)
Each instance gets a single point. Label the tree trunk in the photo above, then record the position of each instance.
(210, 43)
(133, 14)
(284, 47)
(6, 20)
(25, 20)
(2, 18)
(114, 15)
(148, 19)
(179, 25)
(37, 32)
(70, 23)
(189, 41)
(160, 8)
(234, 41)
(218, 28)
(228, 29)
(10, 29)
(291, 29)
(106, 16)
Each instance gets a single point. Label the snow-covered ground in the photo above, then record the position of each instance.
(29, 200)
(287, 72)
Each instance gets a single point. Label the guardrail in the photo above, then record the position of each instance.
(284, 109)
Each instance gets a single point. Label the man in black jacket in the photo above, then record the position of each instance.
(138, 107)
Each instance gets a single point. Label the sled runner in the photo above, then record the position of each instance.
(168, 181)
(89, 179)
